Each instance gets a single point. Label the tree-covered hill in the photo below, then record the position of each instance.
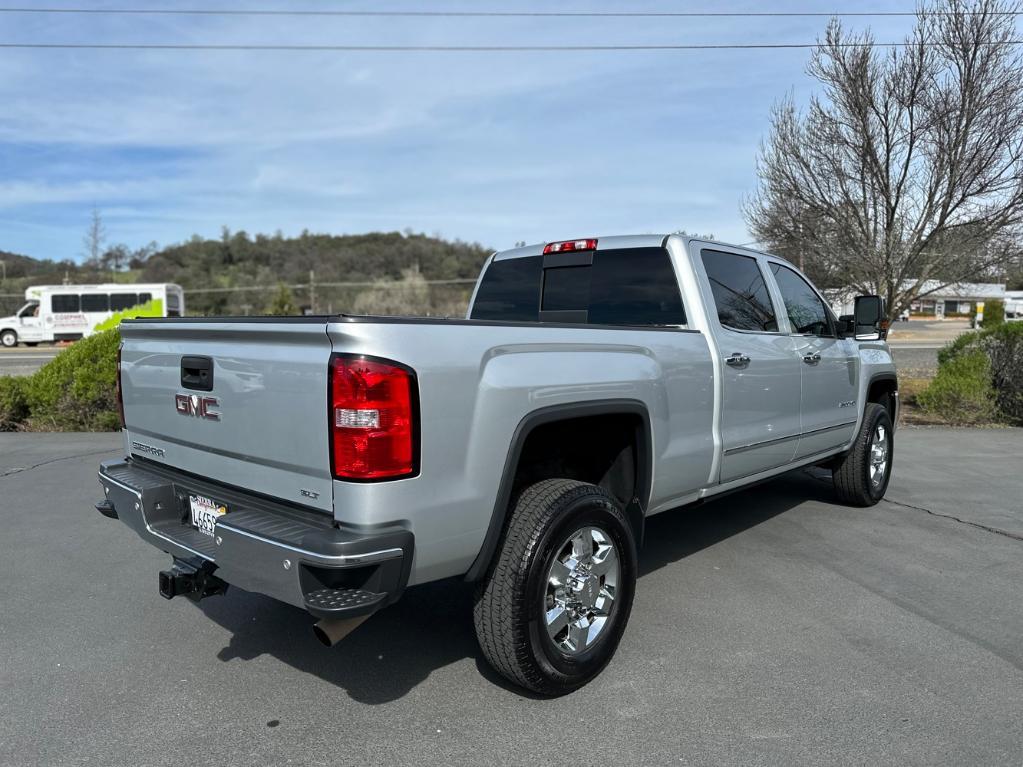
(17, 266)
(243, 274)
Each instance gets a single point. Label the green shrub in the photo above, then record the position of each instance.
(1003, 346)
(994, 313)
(76, 391)
(957, 346)
(13, 402)
(961, 392)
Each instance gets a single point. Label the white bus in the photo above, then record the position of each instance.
(70, 312)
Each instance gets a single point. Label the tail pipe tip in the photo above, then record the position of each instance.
(330, 631)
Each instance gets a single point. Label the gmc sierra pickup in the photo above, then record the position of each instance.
(331, 462)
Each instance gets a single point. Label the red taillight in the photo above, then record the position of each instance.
(372, 419)
(120, 389)
(569, 246)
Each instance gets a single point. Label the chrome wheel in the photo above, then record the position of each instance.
(878, 455)
(581, 588)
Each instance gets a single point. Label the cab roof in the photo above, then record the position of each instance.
(623, 241)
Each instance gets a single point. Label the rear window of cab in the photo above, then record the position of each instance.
(628, 287)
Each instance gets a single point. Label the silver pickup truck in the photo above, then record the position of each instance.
(331, 462)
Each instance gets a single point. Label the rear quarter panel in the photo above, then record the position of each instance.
(477, 383)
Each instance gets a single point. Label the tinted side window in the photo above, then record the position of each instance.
(121, 301)
(95, 302)
(635, 286)
(740, 293)
(65, 303)
(805, 310)
(510, 290)
(146, 297)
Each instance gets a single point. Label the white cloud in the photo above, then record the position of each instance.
(18, 193)
(491, 147)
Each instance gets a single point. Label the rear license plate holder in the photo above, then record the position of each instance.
(204, 513)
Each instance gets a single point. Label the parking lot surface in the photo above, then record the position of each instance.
(23, 361)
(770, 627)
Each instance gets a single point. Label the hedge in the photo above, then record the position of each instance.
(75, 391)
(995, 354)
(961, 392)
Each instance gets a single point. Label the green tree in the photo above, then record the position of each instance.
(283, 302)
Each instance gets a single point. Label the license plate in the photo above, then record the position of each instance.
(205, 513)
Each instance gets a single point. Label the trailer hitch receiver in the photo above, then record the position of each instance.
(188, 580)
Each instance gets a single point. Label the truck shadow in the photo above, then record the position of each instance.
(431, 626)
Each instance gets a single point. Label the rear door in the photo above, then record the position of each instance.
(242, 403)
(828, 365)
(760, 376)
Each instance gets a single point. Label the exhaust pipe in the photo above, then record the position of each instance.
(330, 631)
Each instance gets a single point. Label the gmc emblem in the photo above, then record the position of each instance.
(196, 406)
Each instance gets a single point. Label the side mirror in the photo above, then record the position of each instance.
(846, 326)
(869, 316)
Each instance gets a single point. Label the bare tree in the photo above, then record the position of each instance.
(94, 239)
(909, 164)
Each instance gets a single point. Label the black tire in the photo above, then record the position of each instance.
(9, 339)
(852, 474)
(509, 611)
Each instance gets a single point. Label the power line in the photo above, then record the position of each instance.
(488, 14)
(453, 48)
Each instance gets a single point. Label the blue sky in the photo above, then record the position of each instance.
(493, 148)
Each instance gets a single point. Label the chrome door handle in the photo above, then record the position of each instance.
(812, 359)
(737, 360)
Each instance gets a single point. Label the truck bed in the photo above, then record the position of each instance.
(476, 382)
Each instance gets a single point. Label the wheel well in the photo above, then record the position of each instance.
(882, 392)
(602, 450)
(605, 444)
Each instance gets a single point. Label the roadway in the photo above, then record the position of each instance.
(771, 627)
(24, 360)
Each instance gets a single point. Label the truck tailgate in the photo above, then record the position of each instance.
(257, 420)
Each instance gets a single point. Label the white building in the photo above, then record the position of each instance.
(952, 300)
(1014, 304)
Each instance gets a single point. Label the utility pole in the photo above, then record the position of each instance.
(3, 267)
(312, 292)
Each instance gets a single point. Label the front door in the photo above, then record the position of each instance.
(30, 329)
(829, 366)
(760, 377)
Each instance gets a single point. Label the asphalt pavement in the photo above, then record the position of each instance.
(771, 627)
(23, 360)
(915, 344)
